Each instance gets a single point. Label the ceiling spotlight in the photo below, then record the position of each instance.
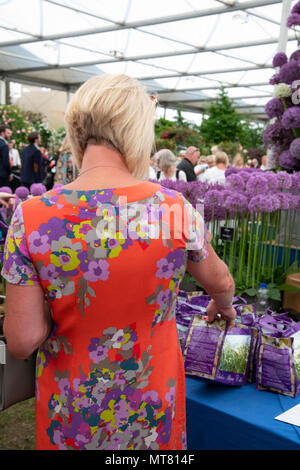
(117, 54)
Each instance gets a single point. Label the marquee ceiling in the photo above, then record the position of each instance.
(182, 50)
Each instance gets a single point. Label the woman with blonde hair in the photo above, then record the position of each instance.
(93, 270)
(167, 166)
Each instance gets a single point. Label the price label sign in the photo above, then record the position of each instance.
(227, 234)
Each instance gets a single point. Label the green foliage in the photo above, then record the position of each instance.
(18, 121)
(176, 134)
(222, 123)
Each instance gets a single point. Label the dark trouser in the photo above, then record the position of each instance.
(4, 181)
(27, 185)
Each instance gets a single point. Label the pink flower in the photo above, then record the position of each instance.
(18, 131)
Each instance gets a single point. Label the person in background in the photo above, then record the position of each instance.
(214, 149)
(14, 156)
(152, 168)
(110, 369)
(181, 155)
(238, 161)
(66, 170)
(167, 166)
(190, 159)
(5, 168)
(32, 169)
(211, 160)
(200, 168)
(263, 165)
(216, 174)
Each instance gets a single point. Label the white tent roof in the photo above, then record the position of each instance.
(182, 50)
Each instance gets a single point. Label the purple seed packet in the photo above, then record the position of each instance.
(246, 314)
(185, 313)
(278, 355)
(203, 347)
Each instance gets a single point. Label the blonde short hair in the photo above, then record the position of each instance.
(165, 159)
(221, 157)
(116, 111)
(210, 159)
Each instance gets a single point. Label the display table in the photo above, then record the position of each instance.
(221, 417)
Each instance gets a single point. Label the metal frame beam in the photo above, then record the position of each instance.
(150, 22)
(153, 56)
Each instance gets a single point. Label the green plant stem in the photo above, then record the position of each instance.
(243, 242)
(255, 249)
(250, 249)
(225, 242)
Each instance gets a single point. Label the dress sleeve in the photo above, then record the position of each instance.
(196, 234)
(18, 267)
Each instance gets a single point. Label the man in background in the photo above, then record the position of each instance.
(32, 170)
(5, 170)
(190, 159)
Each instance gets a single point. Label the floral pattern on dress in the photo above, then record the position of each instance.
(101, 379)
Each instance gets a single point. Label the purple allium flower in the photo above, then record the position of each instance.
(295, 55)
(291, 118)
(230, 170)
(276, 135)
(284, 180)
(37, 189)
(289, 72)
(22, 192)
(295, 148)
(271, 181)
(296, 8)
(293, 20)
(213, 198)
(6, 189)
(279, 59)
(295, 188)
(274, 108)
(257, 184)
(284, 201)
(237, 203)
(287, 161)
(261, 203)
(275, 79)
(235, 181)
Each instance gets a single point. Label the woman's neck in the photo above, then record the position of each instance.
(169, 172)
(103, 167)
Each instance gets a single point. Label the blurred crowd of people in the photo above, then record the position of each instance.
(190, 165)
(34, 164)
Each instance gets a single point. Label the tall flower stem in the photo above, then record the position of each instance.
(255, 249)
(250, 250)
(261, 245)
(225, 242)
(243, 242)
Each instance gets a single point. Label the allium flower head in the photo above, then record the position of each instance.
(296, 8)
(276, 136)
(282, 90)
(261, 203)
(291, 118)
(257, 184)
(275, 79)
(235, 181)
(295, 187)
(237, 203)
(287, 161)
(22, 193)
(274, 108)
(293, 20)
(213, 198)
(279, 59)
(295, 55)
(37, 189)
(6, 189)
(289, 72)
(230, 170)
(271, 181)
(284, 180)
(285, 201)
(295, 148)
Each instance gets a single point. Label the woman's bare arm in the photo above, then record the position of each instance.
(214, 276)
(27, 322)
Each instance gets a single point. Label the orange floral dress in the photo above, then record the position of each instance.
(110, 376)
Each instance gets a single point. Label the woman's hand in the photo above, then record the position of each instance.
(7, 199)
(228, 314)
